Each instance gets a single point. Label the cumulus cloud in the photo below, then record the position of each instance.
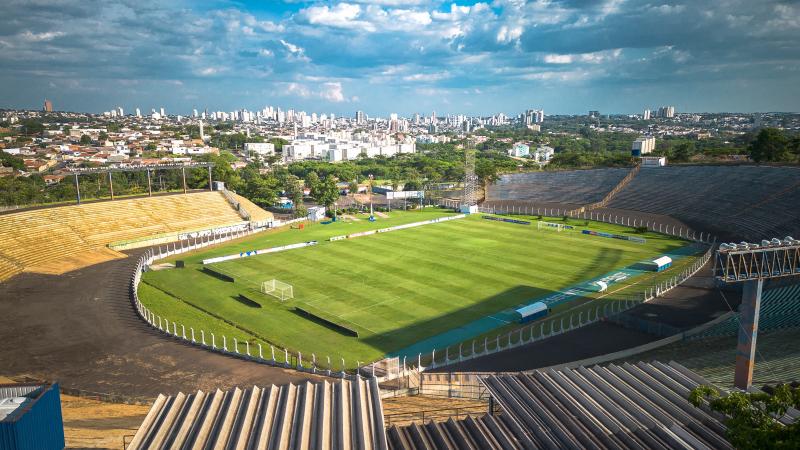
(341, 15)
(316, 50)
(30, 36)
(330, 91)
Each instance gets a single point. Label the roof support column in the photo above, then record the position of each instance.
(748, 332)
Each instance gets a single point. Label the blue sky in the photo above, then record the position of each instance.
(404, 56)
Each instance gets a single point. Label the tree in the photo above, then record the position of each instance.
(9, 160)
(326, 193)
(770, 145)
(683, 152)
(412, 185)
(294, 190)
(300, 211)
(353, 187)
(102, 136)
(86, 139)
(751, 419)
(312, 180)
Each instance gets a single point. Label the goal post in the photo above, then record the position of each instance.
(278, 289)
(542, 225)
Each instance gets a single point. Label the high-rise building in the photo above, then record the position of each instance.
(120, 113)
(194, 113)
(532, 116)
(594, 114)
(138, 112)
(202, 135)
(360, 119)
(646, 114)
(643, 145)
(162, 112)
(666, 112)
(48, 105)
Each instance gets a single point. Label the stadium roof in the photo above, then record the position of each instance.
(326, 415)
(629, 406)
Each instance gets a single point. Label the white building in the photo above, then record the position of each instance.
(643, 145)
(519, 150)
(262, 148)
(543, 154)
(653, 161)
(646, 114)
(666, 112)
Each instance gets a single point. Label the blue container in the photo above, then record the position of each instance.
(35, 425)
(532, 312)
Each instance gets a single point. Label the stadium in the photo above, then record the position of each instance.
(558, 309)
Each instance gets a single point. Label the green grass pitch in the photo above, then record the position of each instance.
(394, 288)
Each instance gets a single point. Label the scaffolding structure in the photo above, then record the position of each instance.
(77, 171)
(469, 200)
(751, 264)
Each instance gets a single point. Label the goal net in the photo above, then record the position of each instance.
(550, 226)
(278, 289)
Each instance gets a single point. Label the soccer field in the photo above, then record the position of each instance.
(394, 289)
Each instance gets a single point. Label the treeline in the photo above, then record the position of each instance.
(432, 163)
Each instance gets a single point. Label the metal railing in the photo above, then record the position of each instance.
(549, 328)
(438, 415)
(275, 356)
(624, 182)
(237, 205)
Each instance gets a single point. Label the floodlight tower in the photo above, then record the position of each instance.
(469, 201)
(751, 264)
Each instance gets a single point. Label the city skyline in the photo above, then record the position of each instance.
(405, 57)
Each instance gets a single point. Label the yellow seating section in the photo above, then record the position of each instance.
(60, 239)
(256, 213)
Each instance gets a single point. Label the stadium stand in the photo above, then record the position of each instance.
(61, 239)
(8, 268)
(780, 308)
(576, 187)
(615, 406)
(777, 358)
(256, 213)
(734, 202)
(326, 415)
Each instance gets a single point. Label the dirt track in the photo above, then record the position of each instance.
(81, 330)
(695, 302)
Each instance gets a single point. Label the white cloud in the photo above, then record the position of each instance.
(407, 17)
(298, 90)
(332, 92)
(295, 51)
(589, 58)
(265, 52)
(668, 9)
(558, 59)
(508, 33)
(40, 37)
(427, 77)
(341, 15)
(210, 71)
(393, 2)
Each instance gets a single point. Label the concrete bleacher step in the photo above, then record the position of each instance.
(59, 239)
